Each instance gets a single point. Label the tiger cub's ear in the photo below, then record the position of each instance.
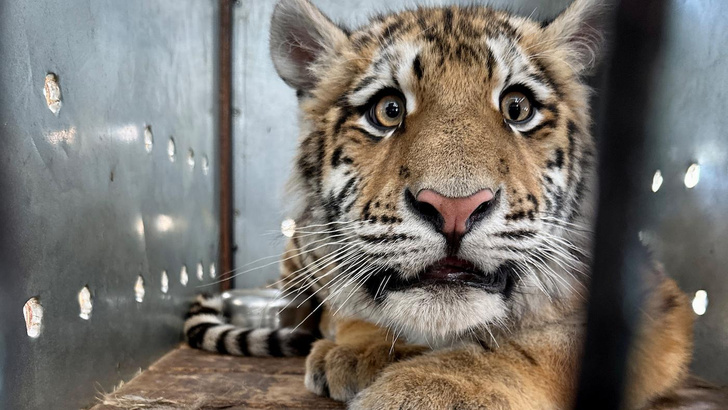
(300, 37)
(580, 29)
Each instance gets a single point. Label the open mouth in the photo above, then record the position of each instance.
(458, 272)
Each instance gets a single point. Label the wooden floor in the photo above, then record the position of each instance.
(193, 379)
(196, 380)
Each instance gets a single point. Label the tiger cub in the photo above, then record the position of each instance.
(445, 184)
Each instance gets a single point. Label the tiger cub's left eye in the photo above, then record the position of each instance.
(516, 107)
(388, 112)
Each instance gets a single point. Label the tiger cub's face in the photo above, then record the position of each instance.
(446, 160)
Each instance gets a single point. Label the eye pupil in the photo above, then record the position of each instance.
(392, 109)
(514, 110)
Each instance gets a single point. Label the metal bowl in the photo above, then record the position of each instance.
(266, 308)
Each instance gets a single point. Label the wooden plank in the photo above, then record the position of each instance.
(187, 378)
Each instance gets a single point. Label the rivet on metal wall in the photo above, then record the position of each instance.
(183, 276)
(191, 158)
(692, 176)
(205, 165)
(148, 138)
(213, 271)
(139, 227)
(288, 227)
(139, 289)
(165, 282)
(52, 93)
(200, 270)
(85, 303)
(171, 149)
(33, 314)
(700, 302)
(657, 181)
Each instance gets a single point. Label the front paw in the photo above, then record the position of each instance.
(414, 388)
(342, 371)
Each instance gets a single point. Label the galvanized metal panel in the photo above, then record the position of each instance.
(688, 227)
(81, 200)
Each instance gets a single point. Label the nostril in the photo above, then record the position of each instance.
(483, 210)
(425, 210)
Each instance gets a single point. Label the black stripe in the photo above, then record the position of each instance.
(274, 344)
(571, 131)
(242, 340)
(392, 29)
(489, 62)
(448, 20)
(300, 342)
(201, 310)
(344, 115)
(384, 238)
(551, 124)
(523, 234)
(220, 345)
(320, 148)
(417, 67)
(336, 157)
(557, 161)
(372, 137)
(196, 334)
(366, 82)
(547, 77)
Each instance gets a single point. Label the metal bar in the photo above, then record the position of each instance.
(226, 143)
(616, 275)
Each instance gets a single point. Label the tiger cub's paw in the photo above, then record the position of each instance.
(411, 388)
(342, 371)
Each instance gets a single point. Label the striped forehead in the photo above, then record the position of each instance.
(513, 66)
(391, 67)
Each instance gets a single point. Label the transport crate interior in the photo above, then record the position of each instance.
(144, 152)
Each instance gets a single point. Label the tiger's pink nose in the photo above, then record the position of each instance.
(455, 214)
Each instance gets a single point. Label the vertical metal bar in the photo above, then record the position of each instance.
(226, 141)
(613, 315)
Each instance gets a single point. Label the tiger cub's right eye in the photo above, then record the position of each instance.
(387, 113)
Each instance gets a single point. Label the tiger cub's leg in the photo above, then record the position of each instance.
(353, 352)
(361, 351)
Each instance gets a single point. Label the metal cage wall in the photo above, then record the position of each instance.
(112, 167)
(109, 183)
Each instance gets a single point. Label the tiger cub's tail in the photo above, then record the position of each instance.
(207, 328)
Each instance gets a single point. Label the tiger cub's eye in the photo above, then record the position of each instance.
(388, 112)
(516, 107)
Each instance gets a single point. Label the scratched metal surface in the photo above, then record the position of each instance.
(81, 200)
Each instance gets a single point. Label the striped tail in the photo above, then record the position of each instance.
(207, 328)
